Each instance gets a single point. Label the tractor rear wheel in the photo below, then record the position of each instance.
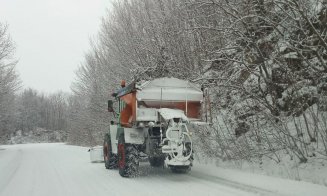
(128, 158)
(110, 159)
(180, 169)
(156, 161)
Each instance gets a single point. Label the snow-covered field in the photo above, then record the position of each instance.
(59, 169)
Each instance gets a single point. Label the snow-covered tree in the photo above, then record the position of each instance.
(9, 83)
(263, 61)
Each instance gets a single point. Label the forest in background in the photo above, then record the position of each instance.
(263, 61)
(27, 112)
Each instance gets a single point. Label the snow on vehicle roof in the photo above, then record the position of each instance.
(169, 82)
(168, 114)
(169, 89)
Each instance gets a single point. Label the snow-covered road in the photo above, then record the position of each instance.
(63, 170)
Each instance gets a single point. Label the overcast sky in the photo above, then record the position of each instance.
(51, 37)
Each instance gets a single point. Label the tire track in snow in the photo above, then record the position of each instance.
(211, 187)
(12, 166)
(233, 184)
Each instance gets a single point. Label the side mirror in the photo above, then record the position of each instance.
(110, 106)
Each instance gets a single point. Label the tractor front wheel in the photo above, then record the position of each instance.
(128, 158)
(110, 159)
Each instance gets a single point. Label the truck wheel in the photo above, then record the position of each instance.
(128, 160)
(180, 169)
(156, 161)
(110, 159)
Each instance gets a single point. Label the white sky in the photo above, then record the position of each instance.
(51, 37)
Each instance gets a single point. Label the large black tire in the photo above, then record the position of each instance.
(157, 161)
(110, 159)
(128, 158)
(186, 168)
(180, 169)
